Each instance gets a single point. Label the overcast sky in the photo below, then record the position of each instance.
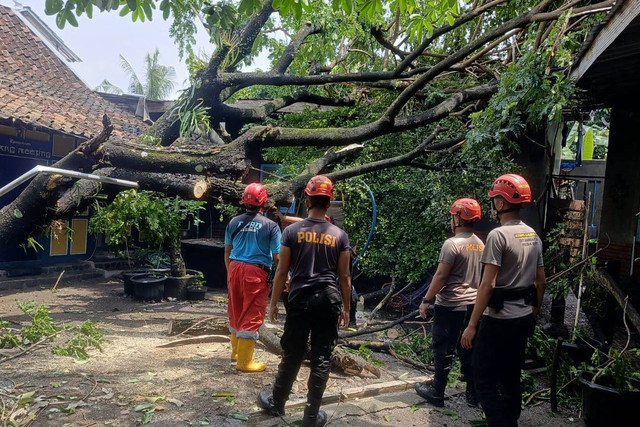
(99, 41)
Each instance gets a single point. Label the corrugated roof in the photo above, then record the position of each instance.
(37, 88)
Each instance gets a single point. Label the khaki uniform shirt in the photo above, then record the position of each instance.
(463, 252)
(517, 250)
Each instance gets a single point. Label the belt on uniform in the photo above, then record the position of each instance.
(261, 267)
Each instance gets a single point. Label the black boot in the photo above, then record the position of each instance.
(430, 394)
(434, 393)
(470, 394)
(265, 401)
(315, 419)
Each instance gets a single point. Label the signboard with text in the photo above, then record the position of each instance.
(26, 149)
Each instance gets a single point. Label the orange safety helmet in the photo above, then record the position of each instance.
(254, 194)
(467, 209)
(514, 188)
(319, 185)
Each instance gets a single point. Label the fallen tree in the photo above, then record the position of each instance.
(438, 70)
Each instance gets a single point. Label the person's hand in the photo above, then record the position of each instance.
(536, 310)
(344, 319)
(423, 310)
(273, 313)
(467, 337)
(287, 286)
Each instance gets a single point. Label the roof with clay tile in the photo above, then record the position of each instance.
(38, 89)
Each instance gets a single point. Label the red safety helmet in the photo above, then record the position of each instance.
(254, 194)
(319, 185)
(467, 209)
(514, 188)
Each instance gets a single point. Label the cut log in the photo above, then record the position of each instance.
(195, 340)
(349, 363)
(270, 340)
(199, 189)
(352, 364)
(206, 326)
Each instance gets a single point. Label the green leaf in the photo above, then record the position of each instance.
(450, 20)
(451, 414)
(17, 213)
(133, 4)
(387, 418)
(53, 6)
(239, 416)
(25, 398)
(147, 417)
(143, 407)
(71, 19)
(147, 11)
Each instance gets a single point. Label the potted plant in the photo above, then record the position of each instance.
(197, 290)
(610, 388)
(149, 286)
(157, 218)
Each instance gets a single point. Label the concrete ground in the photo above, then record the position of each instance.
(408, 409)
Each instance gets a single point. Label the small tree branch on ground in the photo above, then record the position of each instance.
(378, 328)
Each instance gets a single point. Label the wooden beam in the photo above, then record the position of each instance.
(617, 23)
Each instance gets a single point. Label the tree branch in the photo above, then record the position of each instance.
(412, 56)
(296, 42)
(455, 57)
(246, 36)
(402, 160)
(342, 136)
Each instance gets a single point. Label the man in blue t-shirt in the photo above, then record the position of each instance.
(251, 248)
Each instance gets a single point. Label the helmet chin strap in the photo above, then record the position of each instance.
(500, 212)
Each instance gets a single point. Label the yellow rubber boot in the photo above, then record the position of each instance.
(245, 357)
(234, 346)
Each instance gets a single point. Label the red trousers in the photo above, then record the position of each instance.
(248, 293)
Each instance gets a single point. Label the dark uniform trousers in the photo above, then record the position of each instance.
(314, 312)
(498, 358)
(448, 325)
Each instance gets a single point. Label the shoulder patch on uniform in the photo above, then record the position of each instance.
(524, 235)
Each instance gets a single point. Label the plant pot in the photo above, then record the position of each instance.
(126, 278)
(149, 287)
(606, 406)
(578, 352)
(176, 287)
(196, 293)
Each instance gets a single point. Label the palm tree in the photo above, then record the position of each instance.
(158, 79)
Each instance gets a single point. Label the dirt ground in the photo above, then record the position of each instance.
(179, 383)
